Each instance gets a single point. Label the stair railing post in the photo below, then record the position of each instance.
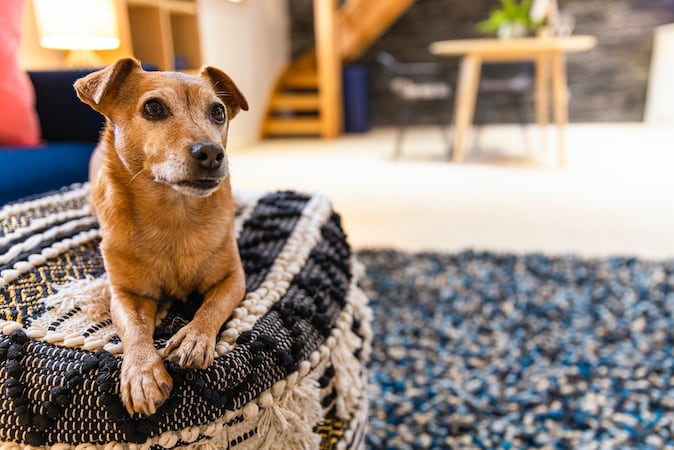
(329, 63)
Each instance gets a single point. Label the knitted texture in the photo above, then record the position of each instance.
(289, 371)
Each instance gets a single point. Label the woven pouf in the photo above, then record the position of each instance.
(289, 371)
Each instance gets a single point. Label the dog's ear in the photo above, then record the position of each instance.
(93, 88)
(225, 89)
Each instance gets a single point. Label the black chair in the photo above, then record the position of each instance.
(417, 82)
(504, 84)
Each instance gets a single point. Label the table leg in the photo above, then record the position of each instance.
(464, 107)
(561, 101)
(542, 105)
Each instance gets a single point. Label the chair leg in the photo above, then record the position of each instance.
(446, 128)
(523, 123)
(483, 113)
(403, 120)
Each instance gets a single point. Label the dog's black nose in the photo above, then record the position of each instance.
(209, 154)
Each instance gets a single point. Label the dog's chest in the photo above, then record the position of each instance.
(180, 262)
(163, 246)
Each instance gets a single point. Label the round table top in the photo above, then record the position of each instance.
(527, 45)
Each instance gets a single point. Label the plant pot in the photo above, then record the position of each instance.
(508, 30)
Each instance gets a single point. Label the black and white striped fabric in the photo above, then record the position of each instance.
(289, 371)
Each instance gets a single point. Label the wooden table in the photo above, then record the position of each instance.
(547, 53)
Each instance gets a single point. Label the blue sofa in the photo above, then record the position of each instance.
(70, 130)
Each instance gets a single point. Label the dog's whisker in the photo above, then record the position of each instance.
(134, 177)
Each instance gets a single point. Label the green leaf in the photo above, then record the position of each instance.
(510, 11)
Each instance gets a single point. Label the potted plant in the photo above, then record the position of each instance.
(512, 19)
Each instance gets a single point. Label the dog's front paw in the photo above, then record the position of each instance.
(191, 348)
(144, 383)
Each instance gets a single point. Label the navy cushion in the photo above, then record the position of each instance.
(63, 117)
(26, 171)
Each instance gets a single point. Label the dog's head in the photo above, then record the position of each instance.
(167, 126)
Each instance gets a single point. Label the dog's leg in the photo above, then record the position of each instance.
(193, 345)
(145, 384)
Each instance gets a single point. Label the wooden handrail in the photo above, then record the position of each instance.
(361, 22)
(329, 62)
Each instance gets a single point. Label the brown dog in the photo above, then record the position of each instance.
(161, 191)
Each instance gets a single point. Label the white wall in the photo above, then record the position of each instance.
(250, 41)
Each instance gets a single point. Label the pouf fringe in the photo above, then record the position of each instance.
(291, 418)
(82, 294)
(75, 307)
(349, 381)
(354, 435)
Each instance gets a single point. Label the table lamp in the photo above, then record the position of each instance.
(79, 26)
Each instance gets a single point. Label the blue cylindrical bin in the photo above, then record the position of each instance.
(356, 99)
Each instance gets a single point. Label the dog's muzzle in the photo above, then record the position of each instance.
(209, 167)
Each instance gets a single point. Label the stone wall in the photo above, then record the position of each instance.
(608, 83)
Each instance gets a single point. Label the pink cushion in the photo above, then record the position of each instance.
(18, 120)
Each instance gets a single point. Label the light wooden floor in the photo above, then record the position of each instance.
(614, 197)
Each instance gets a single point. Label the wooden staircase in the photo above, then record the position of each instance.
(307, 97)
(294, 106)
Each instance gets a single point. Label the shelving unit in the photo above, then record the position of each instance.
(164, 33)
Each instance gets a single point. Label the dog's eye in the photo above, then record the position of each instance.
(154, 110)
(218, 113)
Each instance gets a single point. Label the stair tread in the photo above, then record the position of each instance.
(292, 126)
(295, 101)
(304, 79)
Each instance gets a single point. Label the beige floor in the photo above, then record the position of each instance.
(614, 197)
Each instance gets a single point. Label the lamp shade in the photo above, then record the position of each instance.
(77, 24)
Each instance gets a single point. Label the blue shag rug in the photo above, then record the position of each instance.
(498, 351)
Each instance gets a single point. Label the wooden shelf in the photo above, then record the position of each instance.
(164, 33)
(182, 7)
(151, 3)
